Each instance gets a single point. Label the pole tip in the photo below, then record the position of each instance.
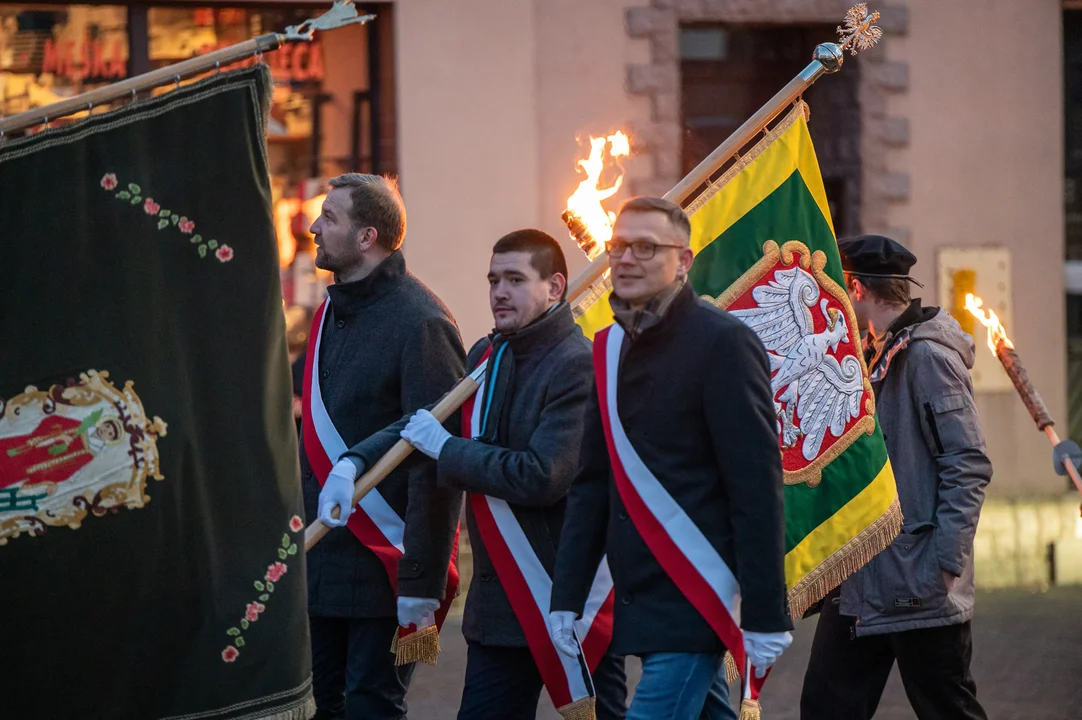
(830, 55)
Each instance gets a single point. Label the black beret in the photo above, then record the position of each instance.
(876, 256)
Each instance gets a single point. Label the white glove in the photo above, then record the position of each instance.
(764, 649)
(338, 492)
(562, 630)
(417, 611)
(425, 433)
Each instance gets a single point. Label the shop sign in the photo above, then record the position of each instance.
(298, 63)
(301, 62)
(93, 60)
(88, 61)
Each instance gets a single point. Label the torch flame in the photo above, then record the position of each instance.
(585, 202)
(996, 332)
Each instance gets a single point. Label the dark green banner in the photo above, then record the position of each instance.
(151, 563)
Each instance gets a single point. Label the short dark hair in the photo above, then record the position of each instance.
(677, 217)
(893, 291)
(376, 203)
(546, 255)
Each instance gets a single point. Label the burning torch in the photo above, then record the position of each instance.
(587, 221)
(1066, 455)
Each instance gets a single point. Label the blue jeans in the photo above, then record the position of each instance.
(717, 705)
(504, 684)
(676, 686)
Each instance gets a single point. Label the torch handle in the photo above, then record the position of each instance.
(1032, 400)
(1068, 463)
(450, 402)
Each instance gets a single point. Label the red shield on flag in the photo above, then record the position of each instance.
(822, 398)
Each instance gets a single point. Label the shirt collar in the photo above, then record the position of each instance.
(349, 298)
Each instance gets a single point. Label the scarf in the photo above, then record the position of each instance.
(634, 322)
(550, 327)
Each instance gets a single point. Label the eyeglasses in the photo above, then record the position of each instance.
(641, 249)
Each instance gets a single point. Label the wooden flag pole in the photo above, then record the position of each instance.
(447, 405)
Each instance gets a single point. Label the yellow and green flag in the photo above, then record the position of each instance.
(766, 252)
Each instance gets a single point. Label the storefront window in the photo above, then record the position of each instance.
(177, 34)
(50, 53)
(332, 110)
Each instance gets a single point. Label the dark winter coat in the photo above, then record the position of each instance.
(528, 457)
(695, 401)
(389, 346)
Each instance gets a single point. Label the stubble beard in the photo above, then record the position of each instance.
(335, 264)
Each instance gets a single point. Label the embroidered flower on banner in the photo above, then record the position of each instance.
(133, 195)
(275, 572)
(253, 610)
(265, 587)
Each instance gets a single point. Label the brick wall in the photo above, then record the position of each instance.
(658, 141)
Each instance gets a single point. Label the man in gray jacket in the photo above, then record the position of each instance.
(516, 455)
(914, 601)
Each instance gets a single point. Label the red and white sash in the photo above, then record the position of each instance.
(529, 587)
(377, 525)
(679, 546)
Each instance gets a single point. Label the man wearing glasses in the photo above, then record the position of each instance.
(680, 479)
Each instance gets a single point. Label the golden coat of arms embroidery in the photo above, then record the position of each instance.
(822, 398)
(87, 447)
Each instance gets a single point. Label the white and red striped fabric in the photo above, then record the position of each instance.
(679, 546)
(529, 587)
(376, 524)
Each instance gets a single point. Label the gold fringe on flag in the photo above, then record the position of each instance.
(750, 710)
(851, 557)
(579, 710)
(420, 646)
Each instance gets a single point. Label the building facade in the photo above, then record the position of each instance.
(959, 135)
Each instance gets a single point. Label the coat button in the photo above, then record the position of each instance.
(622, 515)
(325, 374)
(486, 577)
(626, 599)
(341, 324)
(416, 567)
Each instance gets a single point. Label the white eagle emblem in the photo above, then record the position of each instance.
(812, 390)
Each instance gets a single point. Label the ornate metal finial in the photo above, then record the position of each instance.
(830, 55)
(342, 13)
(859, 33)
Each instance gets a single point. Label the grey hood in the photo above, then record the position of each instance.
(930, 324)
(943, 329)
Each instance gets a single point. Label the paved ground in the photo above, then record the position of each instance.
(1027, 660)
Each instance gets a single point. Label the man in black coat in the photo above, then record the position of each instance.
(696, 428)
(382, 346)
(518, 458)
